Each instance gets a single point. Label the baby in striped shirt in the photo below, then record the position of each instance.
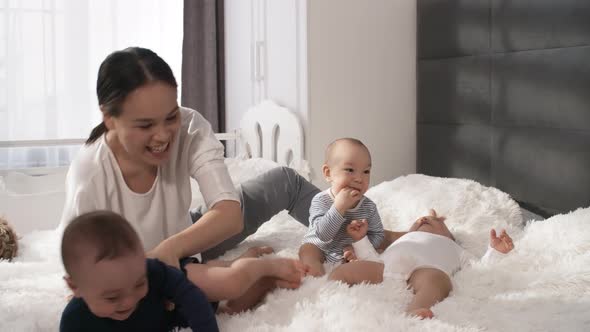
(347, 168)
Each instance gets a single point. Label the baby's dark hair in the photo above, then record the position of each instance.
(107, 234)
(330, 147)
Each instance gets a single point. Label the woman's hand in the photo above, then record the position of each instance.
(166, 254)
(502, 243)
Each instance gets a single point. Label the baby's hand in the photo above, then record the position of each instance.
(502, 243)
(357, 229)
(349, 254)
(346, 199)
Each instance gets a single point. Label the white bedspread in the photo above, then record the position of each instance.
(543, 285)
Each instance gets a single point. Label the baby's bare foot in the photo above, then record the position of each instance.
(255, 252)
(421, 313)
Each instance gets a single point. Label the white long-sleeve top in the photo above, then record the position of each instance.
(95, 182)
(419, 249)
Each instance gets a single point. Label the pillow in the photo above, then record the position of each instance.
(32, 202)
(471, 208)
(28, 212)
(20, 183)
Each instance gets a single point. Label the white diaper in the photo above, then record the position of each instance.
(416, 250)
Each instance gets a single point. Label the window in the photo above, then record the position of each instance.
(50, 51)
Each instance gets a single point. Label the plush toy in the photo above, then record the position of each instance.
(8, 241)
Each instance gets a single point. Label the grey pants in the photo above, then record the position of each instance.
(263, 197)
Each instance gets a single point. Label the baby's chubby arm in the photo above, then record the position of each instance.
(363, 249)
(357, 229)
(502, 243)
(325, 218)
(346, 199)
(499, 246)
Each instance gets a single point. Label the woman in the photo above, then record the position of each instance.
(139, 160)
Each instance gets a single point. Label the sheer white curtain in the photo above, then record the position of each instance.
(50, 51)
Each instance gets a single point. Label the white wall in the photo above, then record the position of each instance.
(238, 74)
(346, 67)
(362, 81)
(278, 26)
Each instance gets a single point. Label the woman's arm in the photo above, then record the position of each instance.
(221, 222)
(206, 165)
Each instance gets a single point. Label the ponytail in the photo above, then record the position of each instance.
(96, 133)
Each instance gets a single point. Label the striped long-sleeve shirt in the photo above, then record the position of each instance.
(327, 228)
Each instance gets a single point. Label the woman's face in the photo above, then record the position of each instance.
(146, 128)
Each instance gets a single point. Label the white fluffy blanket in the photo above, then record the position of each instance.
(543, 285)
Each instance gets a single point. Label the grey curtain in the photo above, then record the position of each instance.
(203, 86)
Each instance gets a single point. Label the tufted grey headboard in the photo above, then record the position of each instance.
(504, 97)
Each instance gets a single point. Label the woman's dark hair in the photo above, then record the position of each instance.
(120, 74)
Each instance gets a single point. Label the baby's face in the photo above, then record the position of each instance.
(350, 168)
(432, 224)
(112, 288)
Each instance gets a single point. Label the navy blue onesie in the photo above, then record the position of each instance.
(192, 308)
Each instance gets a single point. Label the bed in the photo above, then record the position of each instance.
(543, 285)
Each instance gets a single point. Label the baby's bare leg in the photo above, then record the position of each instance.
(358, 272)
(225, 283)
(430, 286)
(313, 258)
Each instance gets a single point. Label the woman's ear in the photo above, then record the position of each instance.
(326, 172)
(107, 119)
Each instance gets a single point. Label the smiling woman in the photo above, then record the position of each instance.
(141, 137)
(139, 160)
(142, 144)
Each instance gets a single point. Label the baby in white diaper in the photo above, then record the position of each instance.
(426, 257)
